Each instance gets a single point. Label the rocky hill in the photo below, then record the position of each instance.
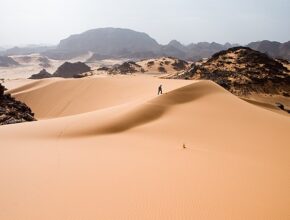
(12, 111)
(69, 70)
(242, 71)
(7, 61)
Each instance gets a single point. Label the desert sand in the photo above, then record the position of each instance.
(110, 148)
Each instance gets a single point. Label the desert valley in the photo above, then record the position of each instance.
(85, 134)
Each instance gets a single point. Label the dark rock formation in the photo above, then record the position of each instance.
(69, 70)
(150, 63)
(13, 111)
(179, 64)
(161, 69)
(242, 70)
(7, 62)
(41, 75)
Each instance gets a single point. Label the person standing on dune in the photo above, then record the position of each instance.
(160, 90)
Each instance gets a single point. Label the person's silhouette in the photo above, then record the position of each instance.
(160, 90)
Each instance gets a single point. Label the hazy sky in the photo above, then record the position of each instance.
(241, 21)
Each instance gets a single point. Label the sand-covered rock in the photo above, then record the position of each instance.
(13, 111)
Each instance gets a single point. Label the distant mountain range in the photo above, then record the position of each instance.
(27, 50)
(272, 48)
(124, 43)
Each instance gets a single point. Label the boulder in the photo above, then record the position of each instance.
(69, 70)
(41, 75)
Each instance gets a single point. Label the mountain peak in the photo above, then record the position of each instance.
(175, 43)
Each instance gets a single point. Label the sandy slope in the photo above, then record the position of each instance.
(52, 98)
(127, 161)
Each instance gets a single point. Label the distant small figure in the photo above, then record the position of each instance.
(184, 147)
(160, 90)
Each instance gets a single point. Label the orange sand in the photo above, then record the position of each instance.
(118, 153)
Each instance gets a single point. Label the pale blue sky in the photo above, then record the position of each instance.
(235, 21)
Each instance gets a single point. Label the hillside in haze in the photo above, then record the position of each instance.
(26, 50)
(124, 43)
(272, 48)
(7, 61)
(108, 43)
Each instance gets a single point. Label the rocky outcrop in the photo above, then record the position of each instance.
(41, 75)
(69, 70)
(7, 61)
(242, 70)
(13, 111)
(179, 64)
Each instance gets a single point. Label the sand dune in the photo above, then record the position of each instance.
(118, 153)
(52, 98)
